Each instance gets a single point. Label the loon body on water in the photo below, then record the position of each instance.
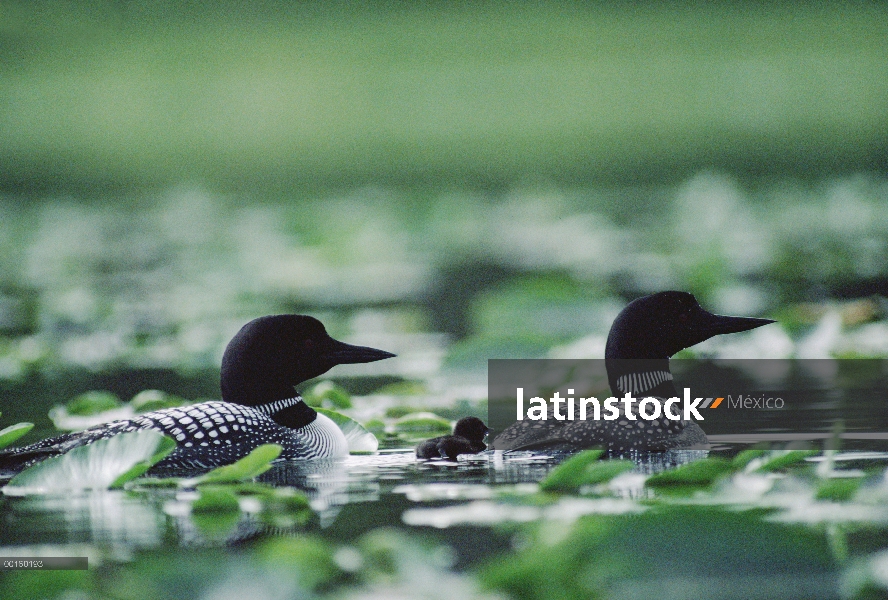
(644, 335)
(468, 438)
(260, 367)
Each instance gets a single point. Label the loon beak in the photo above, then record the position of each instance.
(342, 353)
(708, 325)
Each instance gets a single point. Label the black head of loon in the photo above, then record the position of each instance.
(270, 355)
(642, 338)
(659, 325)
(653, 328)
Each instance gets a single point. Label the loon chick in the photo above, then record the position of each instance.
(642, 338)
(260, 367)
(468, 438)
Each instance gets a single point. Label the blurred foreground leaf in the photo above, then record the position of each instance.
(698, 473)
(215, 499)
(697, 549)
(840, 489)
(14, 432)
(99, 465)
(782, 459)
(252, 465)
(747, 456)
(573, 473)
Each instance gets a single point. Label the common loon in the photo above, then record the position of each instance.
(468, 438)
(260, 367)
(642, 338)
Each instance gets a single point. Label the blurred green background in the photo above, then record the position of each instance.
(450, 181)
(292, 96)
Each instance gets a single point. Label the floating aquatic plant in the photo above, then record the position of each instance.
(570, 475)
(150, 400)
(103, 464)
(252, 465)
(417, 426)
(89, 409)
(360, 441)
(327, 393)
(10, 434)
(701, 472)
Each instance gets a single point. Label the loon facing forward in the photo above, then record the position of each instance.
(468, 438)
(260, 367)
(642, 338)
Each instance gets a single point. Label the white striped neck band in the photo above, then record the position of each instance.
(278, 405)
(634, 383)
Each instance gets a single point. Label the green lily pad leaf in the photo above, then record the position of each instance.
(396, 412)
(252, 465)
(840, 489)
(747, 456)
(422, 425)
(216, 499)
(375, 426)
(150, 400)
(286, 507)
(92, 403)
(360, 441)
(604, 471)
(310, 560)
(167, 445)
(781, 460)
(327, 392)
(98, 465)
(155, 483)
(403, 388)
(89, 409)
(697, 473)
(216, 512)
(14, 432)
(570, 475)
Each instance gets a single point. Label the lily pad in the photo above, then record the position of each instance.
(89, 409)
(421, 425)
(14, 432)
(570, 475)
(328, 393)
(747, 456)
(783, 459)
(92, 403)
(375, 426)
(150, 400)
(840, 489)
(360, 441)
(99, 465)
(252, 465)
(698, 473)
(216, 499)
(396, 412)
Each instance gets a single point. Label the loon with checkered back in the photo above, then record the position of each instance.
(644, 335)
(261, 365)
